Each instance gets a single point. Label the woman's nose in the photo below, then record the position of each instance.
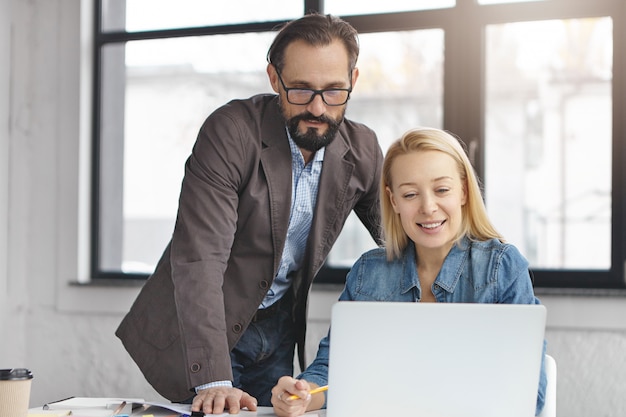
(428, 205)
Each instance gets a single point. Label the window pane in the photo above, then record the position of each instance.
(548, 139)
(156, 94)
(351, 7)
(140, 15)
(505, 1)
(400, 86)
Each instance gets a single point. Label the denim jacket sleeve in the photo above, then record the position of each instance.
(317, 371)
(519, 290)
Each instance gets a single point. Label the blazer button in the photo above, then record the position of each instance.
(264, 285)
(237, 328)
(195, 367)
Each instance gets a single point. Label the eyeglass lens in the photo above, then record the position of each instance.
(330, 97)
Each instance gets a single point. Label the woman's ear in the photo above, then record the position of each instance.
(464, 199)
(392, 199)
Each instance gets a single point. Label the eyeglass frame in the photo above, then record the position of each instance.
(314, 92)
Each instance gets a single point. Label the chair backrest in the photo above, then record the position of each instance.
(549, 409)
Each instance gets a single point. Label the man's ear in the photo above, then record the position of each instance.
(355, 76)
(273, 76)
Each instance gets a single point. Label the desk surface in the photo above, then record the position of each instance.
(262, 411)
(269, 412)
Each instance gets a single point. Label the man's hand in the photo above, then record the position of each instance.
(217, 399)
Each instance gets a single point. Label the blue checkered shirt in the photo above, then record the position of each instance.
(305, 180)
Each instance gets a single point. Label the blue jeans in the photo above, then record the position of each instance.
(263, 354)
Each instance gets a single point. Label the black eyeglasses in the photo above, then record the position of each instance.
(303, 96)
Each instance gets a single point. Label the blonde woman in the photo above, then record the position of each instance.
(440, 247)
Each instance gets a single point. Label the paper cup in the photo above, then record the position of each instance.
(14, 392)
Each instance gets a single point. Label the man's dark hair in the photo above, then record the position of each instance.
(317, 30)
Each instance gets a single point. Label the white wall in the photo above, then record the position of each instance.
(64, 333)
(5, 64)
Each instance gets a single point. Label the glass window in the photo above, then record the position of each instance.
(400, 86)
(156, 94)
(351, 7)
(143, 15)
(167, 87)
(531, 89)
(549, 140)
(505, 1)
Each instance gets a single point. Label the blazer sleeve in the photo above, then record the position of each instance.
(201, 244)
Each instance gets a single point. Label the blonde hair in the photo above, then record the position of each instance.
(475, 223)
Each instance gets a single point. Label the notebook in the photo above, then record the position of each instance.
(434, 359)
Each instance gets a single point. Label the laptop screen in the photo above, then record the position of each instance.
(434, 359)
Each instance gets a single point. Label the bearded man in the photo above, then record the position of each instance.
(267, 189)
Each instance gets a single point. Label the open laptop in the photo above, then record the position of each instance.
(434, 359)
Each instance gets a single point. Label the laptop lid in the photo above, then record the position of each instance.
(434, 359)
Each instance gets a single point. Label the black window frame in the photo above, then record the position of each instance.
(463, 49)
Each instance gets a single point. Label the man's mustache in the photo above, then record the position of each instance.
(308, 116)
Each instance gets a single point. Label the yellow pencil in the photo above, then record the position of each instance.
(313, 391)
(119, 409)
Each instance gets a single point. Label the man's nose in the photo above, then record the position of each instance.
(317, 107)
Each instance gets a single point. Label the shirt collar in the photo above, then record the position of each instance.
(452, 267)
(297, 155)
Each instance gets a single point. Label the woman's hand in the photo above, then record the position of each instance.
(286, 406)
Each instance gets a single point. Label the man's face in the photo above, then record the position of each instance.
(313, 125)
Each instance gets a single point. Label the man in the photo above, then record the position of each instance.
(267, 189)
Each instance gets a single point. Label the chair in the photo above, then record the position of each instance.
(549, 409)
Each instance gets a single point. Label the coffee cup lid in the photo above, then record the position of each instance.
(15, 374)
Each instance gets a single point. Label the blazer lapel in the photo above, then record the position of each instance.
(276, 162)
(334, 182)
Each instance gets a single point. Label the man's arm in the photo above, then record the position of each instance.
(201, 244)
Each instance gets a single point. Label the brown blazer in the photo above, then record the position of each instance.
(229, 236)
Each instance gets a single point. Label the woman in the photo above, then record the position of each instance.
(439, 243)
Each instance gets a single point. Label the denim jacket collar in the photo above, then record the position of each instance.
(450, 272)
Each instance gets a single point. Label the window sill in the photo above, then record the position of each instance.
(567, 308)
(590, 309)
(98, 296)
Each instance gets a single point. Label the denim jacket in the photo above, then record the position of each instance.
(473, 272)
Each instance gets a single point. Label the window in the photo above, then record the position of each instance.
(531, 86)
(548, 127)
(154, 101)
(350, 7)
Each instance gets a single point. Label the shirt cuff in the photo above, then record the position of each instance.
(228, 384)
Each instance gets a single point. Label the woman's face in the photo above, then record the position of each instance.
(428, 195)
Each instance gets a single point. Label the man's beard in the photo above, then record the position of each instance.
(311, 140)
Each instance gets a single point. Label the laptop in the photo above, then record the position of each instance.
(434, 359)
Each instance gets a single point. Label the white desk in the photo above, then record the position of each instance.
(93, 412)
(269, 412)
